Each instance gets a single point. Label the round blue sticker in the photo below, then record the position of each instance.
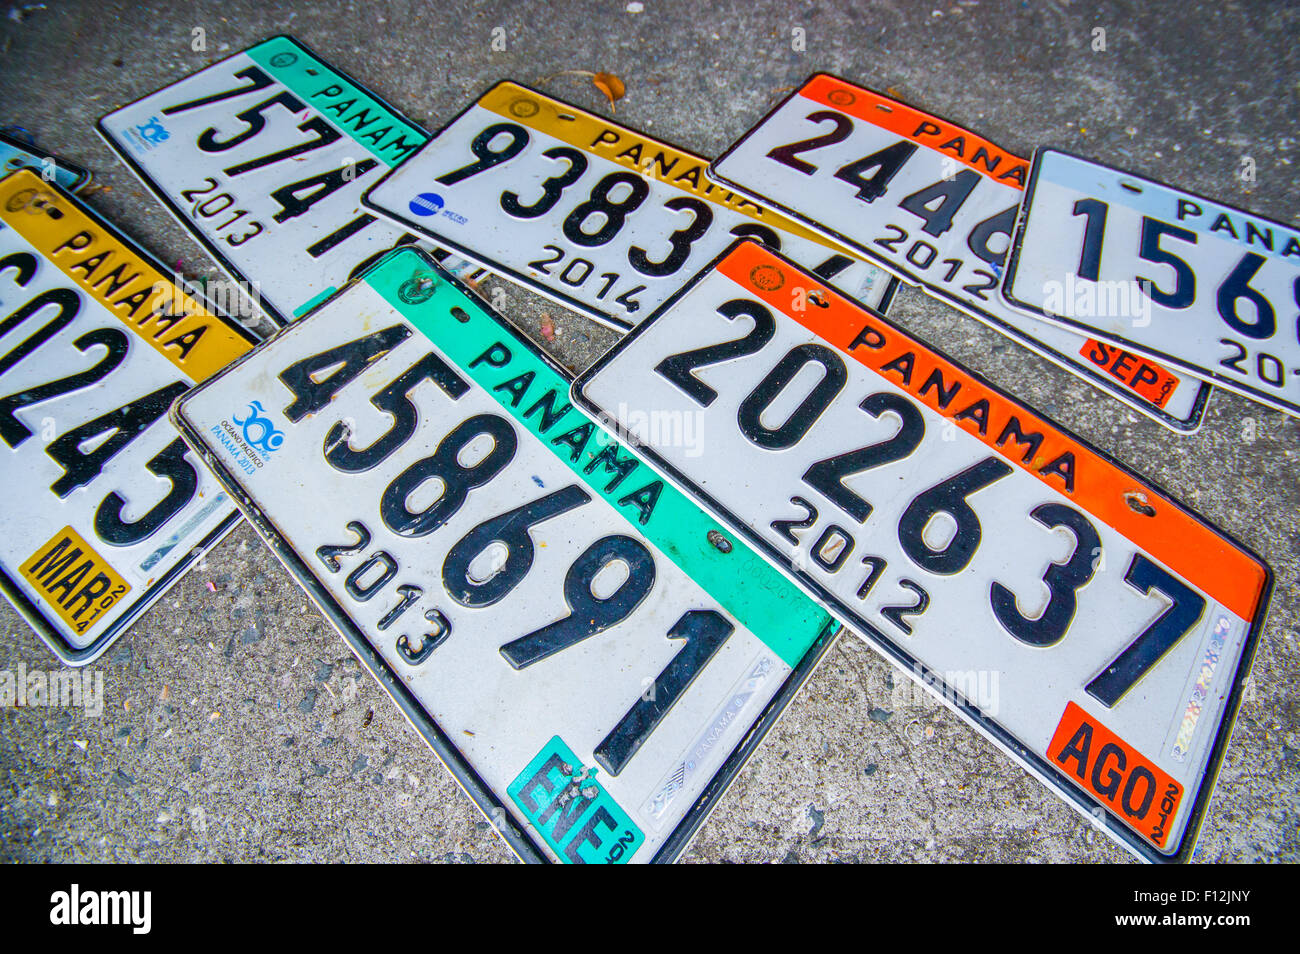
(426, 203)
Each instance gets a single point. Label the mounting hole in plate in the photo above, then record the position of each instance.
(1137, 502)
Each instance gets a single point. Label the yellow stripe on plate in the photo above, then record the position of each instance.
(649, 157)
(146, 300)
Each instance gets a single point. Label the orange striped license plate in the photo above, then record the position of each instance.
(1095, 629)
(933, 203)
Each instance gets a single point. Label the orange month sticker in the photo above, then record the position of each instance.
(1141, 375)
(1103, 764)
(1156, 525)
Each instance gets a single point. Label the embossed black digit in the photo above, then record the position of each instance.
(24, 263)
(394, 399)
(362, 592)
(253, 117)
(1063, 581)
(704, 632)
(171, 465)
(950, 194)
(981, 236)
(257, 80)
(680, 368)
(759, 233)
(786, 528)
(310, 394)
(297, 198)
(1185, 610)
(1184, 292)
(613, 213)
(122, 425)
(814, 404)
(827, 476)
(680, 242)
(457, 480)
(486, 158)
(115, 343)
(948, 496)
(329, 553)
(1236, 287)
(68, 303)
(589, 614)
(325, 135)
(552, 188)
(883, 166)
(1095, 211)
(511, 530)
(789, 154)
(898, 614)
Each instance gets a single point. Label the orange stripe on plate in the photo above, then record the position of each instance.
(1195, 552)
(961, 144)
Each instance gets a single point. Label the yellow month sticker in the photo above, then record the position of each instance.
(79, 584)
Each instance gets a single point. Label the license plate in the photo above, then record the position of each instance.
(15, 155)
(589, 213)
(936, 204)
(264, 156)
(104, 506)
(1085, 622)
(1208, 288)
(590, 655)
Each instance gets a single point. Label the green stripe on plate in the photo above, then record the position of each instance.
(754, 592)
(374, 127)
(311, 303)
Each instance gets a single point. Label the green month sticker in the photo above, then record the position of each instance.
(566, 803)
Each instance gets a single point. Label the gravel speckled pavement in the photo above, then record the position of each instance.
(239, 727)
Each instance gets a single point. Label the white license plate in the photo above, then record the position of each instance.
(565, 630)
(587, 212)
(1088, 624)
(15, 155)
(1208, 288)
(264, 157)
(103, 506)
(936, 204)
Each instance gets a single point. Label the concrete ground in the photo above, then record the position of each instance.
(239, 727)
